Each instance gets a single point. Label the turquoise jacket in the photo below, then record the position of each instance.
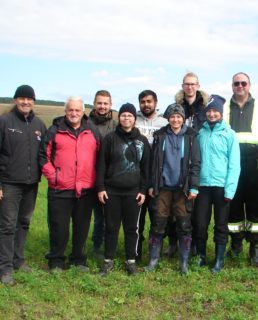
(220, 158)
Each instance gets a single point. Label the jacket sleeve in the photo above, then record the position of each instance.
(101, 164)
(144, 167)
(233, 166)
(195, 164)
(45, 156)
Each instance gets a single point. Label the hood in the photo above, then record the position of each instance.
(180, 95)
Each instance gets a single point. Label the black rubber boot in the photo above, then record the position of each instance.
(155, 246)
(253, 254)
(184, 249)
(236, 246)
(201, 254)
(219, 260)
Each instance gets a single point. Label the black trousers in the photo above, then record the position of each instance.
(125, 209)
(244, 206)
(207, 197)
(60, 212)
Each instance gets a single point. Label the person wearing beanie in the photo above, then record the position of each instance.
(102, 117)
(20, 135)
(148, 120)
(220, 169)
(174, 184)
(122, 182)
(193, 100)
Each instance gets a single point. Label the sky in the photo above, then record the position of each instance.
(77, 47)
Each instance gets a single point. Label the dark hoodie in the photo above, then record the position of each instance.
(123, 164)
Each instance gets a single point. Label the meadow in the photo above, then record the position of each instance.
(161, 294)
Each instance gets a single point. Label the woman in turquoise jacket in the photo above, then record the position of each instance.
(220, 169)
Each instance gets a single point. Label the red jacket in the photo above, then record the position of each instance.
(68, 157)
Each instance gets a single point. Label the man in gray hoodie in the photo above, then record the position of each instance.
(148, 120)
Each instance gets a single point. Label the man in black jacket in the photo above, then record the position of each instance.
(20, 135)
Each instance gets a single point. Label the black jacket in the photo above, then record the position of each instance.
(123, 164)
(190, 166)
(19, 147)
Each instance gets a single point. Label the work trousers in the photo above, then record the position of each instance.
(125, 209)
(208, 197)
(99, 226)
(60, 212)
(16, 209)
(243, 216)
(173, 204)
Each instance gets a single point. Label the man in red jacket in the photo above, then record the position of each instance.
(68, 159)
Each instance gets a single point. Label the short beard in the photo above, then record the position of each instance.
(149, 113)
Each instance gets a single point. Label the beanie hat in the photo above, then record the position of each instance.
(174, 108)
(25, 91)
(215, 102)
(127, 107)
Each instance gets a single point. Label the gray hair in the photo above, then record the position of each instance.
(74, 98)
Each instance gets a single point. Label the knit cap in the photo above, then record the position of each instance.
(25, 91)
(127, 107)
(215, 102)
(174, 108)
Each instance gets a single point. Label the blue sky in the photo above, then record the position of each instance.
(77, 47)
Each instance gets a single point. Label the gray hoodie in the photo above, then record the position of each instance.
(148, 126)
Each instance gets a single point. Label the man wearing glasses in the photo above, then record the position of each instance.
(242, 115)
(193, 100)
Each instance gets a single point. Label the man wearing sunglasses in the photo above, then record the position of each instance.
(242, 115)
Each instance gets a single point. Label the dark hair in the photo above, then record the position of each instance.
(147, 93)
(103, 93)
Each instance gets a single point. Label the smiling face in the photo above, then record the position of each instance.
(241, 86)
(148, 105)
(213, 115)
(127, 121)
(176, 121)
(102, 104)
(24, 105)
(74, 112)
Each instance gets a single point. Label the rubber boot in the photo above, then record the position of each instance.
(253, 254)
(236, 246)
(155, 246)
(201, 254)
(219, 260)
(184, 249)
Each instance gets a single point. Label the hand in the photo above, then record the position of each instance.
(102, 196)
(227, 199)
(140, 198)
(192, 196)
(151, 193)
(1, 194)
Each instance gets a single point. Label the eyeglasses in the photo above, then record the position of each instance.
(237, 83)
(190, 84)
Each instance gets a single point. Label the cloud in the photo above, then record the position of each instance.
(207, 34)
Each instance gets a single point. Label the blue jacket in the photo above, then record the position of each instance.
(220, 158)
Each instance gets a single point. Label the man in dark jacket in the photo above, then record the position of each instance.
(174, 175)
(68, 160)
(102, 117)
(20, 135)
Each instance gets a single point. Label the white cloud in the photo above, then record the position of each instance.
(209, 34)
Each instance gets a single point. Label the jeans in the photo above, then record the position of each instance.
(99, 226)
(16, 209)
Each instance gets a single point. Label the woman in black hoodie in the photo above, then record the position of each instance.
(122, 182)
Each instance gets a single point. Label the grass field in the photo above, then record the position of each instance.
(162, 294)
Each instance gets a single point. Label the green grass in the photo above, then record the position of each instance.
(162, 294)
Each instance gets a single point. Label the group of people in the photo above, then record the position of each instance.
(201, 154)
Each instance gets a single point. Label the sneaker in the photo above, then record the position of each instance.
(7, 279)
(55, 270)
(24, 268)
(130, 267)
(107, 266)
(234, 254)
(82, 268)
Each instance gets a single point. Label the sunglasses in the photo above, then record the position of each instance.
(237, 83)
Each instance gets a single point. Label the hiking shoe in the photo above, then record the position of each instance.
(7, 279)
(56, 270)
(130, 267)
(107, 266)
(24, 268)
(82, 268)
